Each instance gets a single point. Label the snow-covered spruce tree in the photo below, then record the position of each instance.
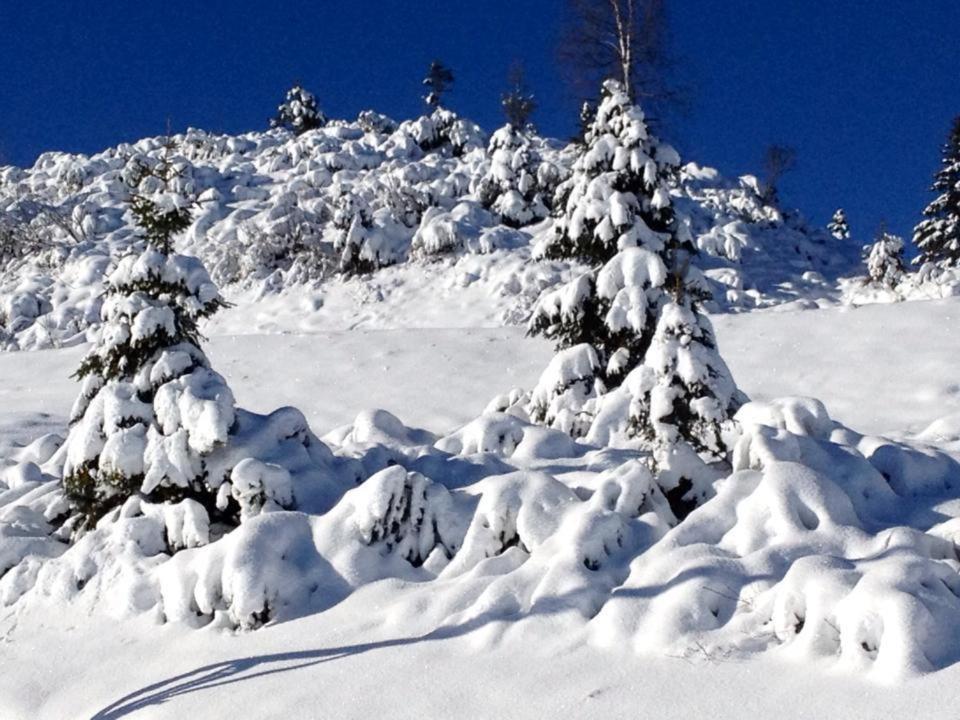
(938, 234)
(510, 187)
(299, 112)
(885, 260)
(150, 408)
(614, 213)
(838, 225)
(683, 398)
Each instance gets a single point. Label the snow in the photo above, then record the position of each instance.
(775, 502)
(383, 537)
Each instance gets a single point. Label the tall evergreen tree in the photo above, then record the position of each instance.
(838, 225)
(438, 81)
(615, 213)
(938, 234)
(637, 356)
(150, 408)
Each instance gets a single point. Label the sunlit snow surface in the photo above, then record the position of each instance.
(825, 561)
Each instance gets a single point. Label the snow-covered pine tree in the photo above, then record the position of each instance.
(838, 225)
(634, 320)
(938, 234)
(510, 187)
(885, 260)
(615, 213)
(150, 408)
(299, 112)
(438, 81)
(683, 399)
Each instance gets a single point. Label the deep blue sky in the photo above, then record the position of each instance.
(864, 90)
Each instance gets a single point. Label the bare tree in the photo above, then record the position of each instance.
(778, 160)
(628, 40)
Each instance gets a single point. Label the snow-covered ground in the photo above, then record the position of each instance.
(878, 369)
(400, 545)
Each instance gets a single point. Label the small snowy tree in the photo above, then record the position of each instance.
(438, 81)
(299, 112)
(518, 102)
(938, 234)
(885, 260)
(683, 401)
(615, 214)
(151, 408)
(838, 225)
(511, 187)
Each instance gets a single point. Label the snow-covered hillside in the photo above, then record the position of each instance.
(369, 461)
(275, 218)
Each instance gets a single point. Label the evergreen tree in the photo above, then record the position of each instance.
(438, 81)
(510, 187)
(683, 399)
(299, 112)
(615, 214)
(518, 102)
(938, 234)
(638, 358)
(838, 225)
(885, 260)
(150, 408)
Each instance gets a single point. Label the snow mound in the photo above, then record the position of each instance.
(818, 544)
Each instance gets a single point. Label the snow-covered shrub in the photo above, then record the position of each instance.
(298, 112)
(377, 123)
(443, 130)
(256, 486)
(565, 395)
(937, 237)
(354, 239)
(150, 408)
(885, 265)
(510, 187)
(446, 231)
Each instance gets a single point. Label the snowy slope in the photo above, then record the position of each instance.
(271, 220)
(483, 652)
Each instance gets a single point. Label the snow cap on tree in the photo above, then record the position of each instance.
(838, 225)
(938, 234)
(299, 112)
(150, 408)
